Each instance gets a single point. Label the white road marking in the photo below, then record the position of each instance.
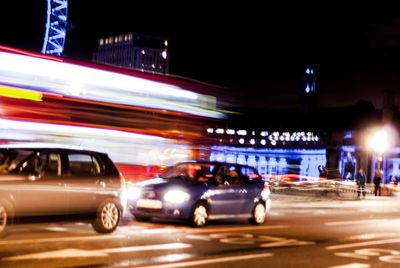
(274, 213)
(351, 255)
(230, 229)
(159, 230)
(60, 239)
(147, 248)
(287, 243)
(132, 227)
(320, 212)
(55, 229)
(370, 236)
(363, 244)
(199, 237)
(210, 261)
(352, 265)
(63, 253)
(335, 223)
(78, 253)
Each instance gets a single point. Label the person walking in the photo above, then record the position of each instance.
(377, 183)
(360, 180)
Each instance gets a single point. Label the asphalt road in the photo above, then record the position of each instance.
(301, 231)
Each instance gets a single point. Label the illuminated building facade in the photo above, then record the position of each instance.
(134, 51)
(271, 161)
(271, 152)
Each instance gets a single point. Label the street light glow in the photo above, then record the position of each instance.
(379, 141)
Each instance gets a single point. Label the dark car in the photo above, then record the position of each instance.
(55, 182)
(202, 191)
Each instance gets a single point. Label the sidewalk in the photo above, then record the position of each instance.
(321, 193)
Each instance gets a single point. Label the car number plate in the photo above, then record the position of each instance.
(149, 203)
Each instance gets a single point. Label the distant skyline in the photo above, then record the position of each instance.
(259, 51)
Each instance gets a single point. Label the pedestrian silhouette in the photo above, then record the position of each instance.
(377, 183)
(360, 180)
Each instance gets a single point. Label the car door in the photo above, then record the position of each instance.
(226, 197)
(252, 187)
(85, 184)
(44, 190)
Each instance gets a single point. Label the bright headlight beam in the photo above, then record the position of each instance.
(133, 192)
(176, 196)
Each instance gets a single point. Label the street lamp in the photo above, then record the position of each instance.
(379, 142)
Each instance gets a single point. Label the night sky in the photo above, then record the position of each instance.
(259, 51)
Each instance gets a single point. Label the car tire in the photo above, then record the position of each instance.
(142, 218)
(199, 216)
(6, 216)
(258, 214)
(107, 217)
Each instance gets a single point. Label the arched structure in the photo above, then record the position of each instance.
(56, 24)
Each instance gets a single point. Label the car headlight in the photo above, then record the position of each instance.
(133, 192)
(176, 196)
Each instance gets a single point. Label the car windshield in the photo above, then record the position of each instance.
(11, 159)
(194, 172)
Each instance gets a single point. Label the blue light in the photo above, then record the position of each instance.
(56, 24)
(251, 161)
(220, 157)
(348, 135)
(307, 89)
(231, 158)
(274, 160)
(241, 159)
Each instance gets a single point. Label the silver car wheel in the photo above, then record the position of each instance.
(200, 215)
(259, 213)
(109, 215)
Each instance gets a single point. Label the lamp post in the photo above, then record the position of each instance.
(378, 142)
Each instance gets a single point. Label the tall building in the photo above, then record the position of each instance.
(310, 81)
(134, 51)
(308, 96)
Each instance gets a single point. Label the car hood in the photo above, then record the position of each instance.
(160, 182)
(153, 182)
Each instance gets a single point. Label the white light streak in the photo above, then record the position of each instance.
(100, 85)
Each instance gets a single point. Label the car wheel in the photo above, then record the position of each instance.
(258, 214)
(107, 217)
(141, 218)
(199, 215)
(5, 217)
